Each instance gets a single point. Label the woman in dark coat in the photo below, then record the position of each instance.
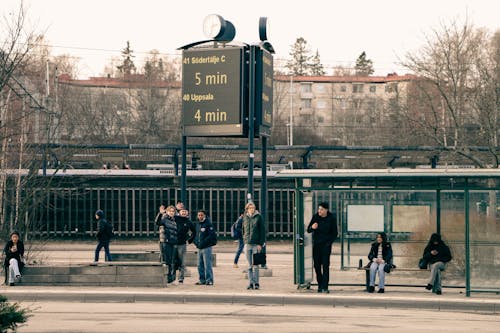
(436, 254)
(13, 264)
(380, 255)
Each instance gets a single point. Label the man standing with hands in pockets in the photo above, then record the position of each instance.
(323, 227)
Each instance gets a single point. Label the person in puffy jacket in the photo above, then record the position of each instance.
(436, 254)
(170, 241)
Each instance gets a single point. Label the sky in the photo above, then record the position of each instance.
(94, 31)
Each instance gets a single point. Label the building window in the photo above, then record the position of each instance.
(390, 87)
(307, 103)
(343, 88)
(306, 88)
(321, 88)
(357, 88)
(373, 89)
(321, 104)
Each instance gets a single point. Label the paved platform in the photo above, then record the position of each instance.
(230, 284)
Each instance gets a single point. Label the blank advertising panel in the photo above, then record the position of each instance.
(212, 92)
(365, 217)
(411, 218)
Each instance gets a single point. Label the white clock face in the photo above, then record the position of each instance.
(212, 25)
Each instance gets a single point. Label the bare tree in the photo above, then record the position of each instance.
(451, 106)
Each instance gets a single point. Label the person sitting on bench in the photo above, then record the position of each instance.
(379, 256)
(436, 254)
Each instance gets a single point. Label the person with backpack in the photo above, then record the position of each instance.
(237, 234)
(104, 235)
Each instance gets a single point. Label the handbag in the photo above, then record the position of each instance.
(422, 263)
(259, 258)
(388, 267)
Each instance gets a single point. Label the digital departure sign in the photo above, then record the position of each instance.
(264, 92)
(213, 92)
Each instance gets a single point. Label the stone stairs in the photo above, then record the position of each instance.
(128, 269)
(119, 274)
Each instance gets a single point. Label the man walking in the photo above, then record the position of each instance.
(104, 235)
(323, 227)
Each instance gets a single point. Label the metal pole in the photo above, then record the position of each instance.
(467, 241)
(251, 122)
(438, 211)
(263, 183)
(291, 111)
(183, 169)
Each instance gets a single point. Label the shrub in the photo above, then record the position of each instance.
(11, 314)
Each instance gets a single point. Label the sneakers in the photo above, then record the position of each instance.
(209, 283)
(381, 290)
(326, 291)
(320, 290)
(256, 286)
(17, 278)
(11, 284)
(181, 281)
(250, 287)
(438, 292)
(371, 289)
(235, 265)
(428, 287)
(200, 283)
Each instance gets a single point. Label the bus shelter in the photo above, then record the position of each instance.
(409, 205)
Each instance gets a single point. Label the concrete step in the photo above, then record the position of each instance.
(154, 256)
(103, 274)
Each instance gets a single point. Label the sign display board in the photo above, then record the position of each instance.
(411, 218)
(365, 217)
(213, 99)
(264, 92)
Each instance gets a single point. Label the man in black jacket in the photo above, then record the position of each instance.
(204, 240)
(323, 227)
(185, 233)
(104, 234)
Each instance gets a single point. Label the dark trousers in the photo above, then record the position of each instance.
(239, 250)
(100, 245)
(169, 254)
(321, 258)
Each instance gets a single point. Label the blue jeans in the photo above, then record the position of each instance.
(435, 279)
(100, 245)
(205, 265)
(239, 250)
(180, 262)
(253, 270)
(374, 268)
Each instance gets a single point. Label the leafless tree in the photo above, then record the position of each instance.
(455, 103)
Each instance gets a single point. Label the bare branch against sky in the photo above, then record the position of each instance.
(95, 31)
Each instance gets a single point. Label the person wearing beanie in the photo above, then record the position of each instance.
(104, 235)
